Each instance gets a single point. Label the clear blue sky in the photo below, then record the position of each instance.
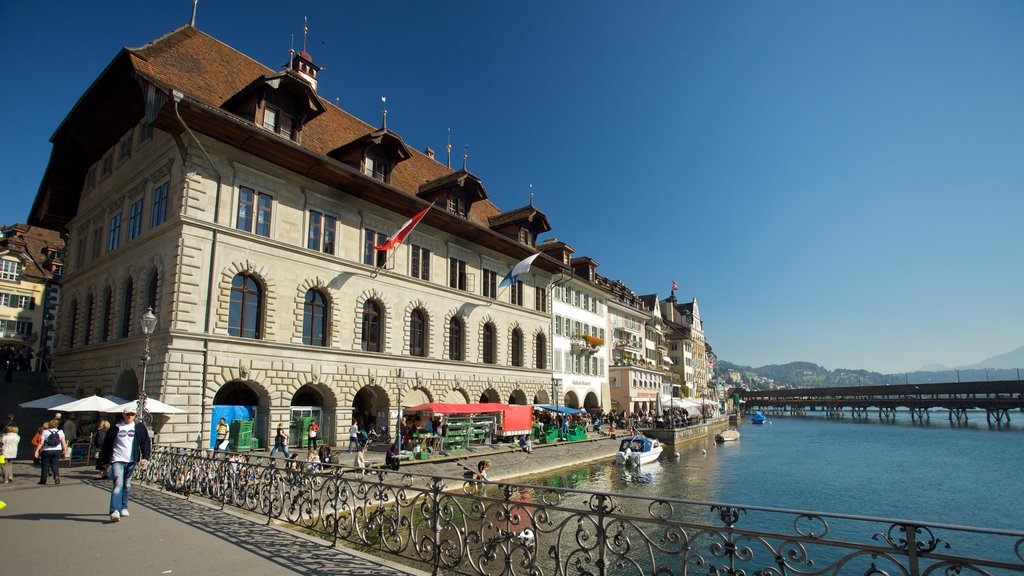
(836, 182)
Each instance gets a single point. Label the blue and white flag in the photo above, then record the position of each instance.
(520, 268)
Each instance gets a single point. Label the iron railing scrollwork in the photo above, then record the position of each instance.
(448, 525)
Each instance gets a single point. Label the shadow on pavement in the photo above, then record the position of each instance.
(287, 550)
(93, 518)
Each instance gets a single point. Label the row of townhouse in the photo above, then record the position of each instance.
(244, 211)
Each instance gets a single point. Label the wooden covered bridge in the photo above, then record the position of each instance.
(997, 399)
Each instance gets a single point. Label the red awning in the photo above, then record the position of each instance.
(446, 408)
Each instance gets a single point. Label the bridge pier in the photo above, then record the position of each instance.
(886, 413)
(835, 413)
(959, 413)
(919, 414)
(859, 412)
(997, 414)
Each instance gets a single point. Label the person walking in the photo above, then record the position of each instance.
(353, 437)
(52, 449)
(9, 441)
(280, 442)
(125, 446)
(96, 446)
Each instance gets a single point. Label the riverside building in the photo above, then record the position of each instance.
(31, 264)
(243, 209)
(580, 325)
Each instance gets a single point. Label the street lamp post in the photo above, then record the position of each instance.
(148, 325)
(554, 395)
(398, 424)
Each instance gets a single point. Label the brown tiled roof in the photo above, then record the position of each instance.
(208, 70)
(32, 242)
(527, 213)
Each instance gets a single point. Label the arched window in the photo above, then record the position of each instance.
(490, 344)
(244, 310)
(87, 337)
(517, 347)
(72, 323)
(417, 331)
(314, 319)
(541, 351)
(108, 313)
(151, 294)
(456, 341)
(126, 309)
(371, 327)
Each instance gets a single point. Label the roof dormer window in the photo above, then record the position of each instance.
(278, 122)
(457, 206)
(377, 168)
(525, 237)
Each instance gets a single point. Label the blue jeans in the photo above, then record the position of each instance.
(122, 472)
(279, 446)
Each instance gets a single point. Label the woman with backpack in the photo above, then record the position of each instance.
(52, 449)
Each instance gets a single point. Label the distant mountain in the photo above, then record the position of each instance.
(1012, 359)
(810, 375)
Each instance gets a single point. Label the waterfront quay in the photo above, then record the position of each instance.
(997, 399)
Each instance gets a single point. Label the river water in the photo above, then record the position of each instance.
(971, 475)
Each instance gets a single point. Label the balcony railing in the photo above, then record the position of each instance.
(449, 525)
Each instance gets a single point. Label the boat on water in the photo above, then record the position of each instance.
(638, 450)
(727, 436)
(758, 418)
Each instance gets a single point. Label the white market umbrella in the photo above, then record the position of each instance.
(49, 401)
(685, 403)
(115, 399)
(91, 404)
(153, 406)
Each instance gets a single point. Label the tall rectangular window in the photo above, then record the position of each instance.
(372, 256)
(316, 223)
(516, 293)
(135, 220)
(159, 205)
(97, 242)
(420, 262)
(263, 209)
(254, 207)
(541, 299)
(114, 240)
(490, 284)
(456, 273)
(330, 232)
(245, 201)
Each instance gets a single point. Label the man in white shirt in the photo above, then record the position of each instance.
(126, 445)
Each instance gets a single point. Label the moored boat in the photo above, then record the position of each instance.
(727, 436)
(638, 450)
(758, 418)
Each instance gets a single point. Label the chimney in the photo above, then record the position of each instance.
(429, 152)
(302, 63)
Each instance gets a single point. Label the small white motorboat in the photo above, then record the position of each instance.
(727, 436)
(638, 450)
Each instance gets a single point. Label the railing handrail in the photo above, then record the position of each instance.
(481, 529)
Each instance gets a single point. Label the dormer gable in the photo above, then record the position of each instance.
(456, 192)
(522, 224)
(558, 250)
(376, 154)
(585, 267)
(281, 103)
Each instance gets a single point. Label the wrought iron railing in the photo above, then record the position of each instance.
(451, 525)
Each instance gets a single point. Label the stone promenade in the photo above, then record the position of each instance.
(65, 528)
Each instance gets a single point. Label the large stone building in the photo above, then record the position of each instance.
(243, 209)
(580, 326)
(687, 348)
(31, 264)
